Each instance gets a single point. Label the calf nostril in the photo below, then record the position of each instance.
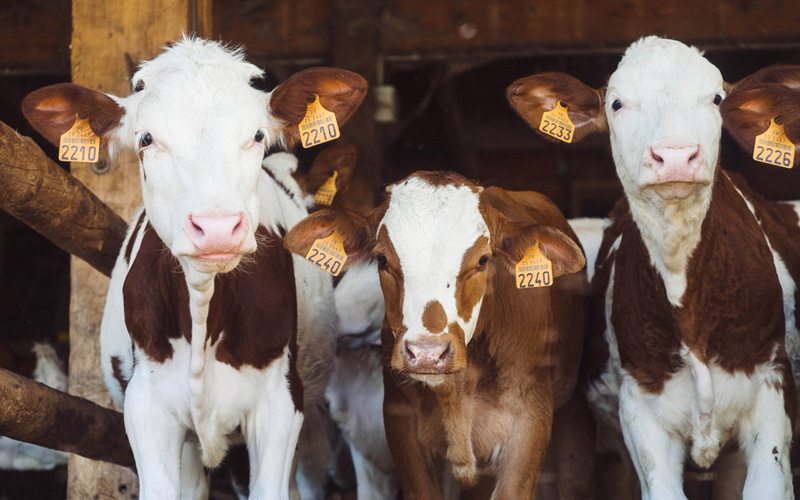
(447, 353)
(656, 157)
(407, 352)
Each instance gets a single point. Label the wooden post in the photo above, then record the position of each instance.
(356, 45)
(103, 33)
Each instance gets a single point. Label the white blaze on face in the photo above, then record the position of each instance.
(664, 124)
(203, 116)
(431, 228)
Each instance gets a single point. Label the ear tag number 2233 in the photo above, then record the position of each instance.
(79, 143)
(328, 253)
(773, 147)
(534, 269)
(556, 123)
(318, 126)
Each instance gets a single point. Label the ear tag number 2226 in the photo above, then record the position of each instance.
(328, 253)
(773, 147)
(318, 126)
(556, 123)
(534, 269)
(79, 143)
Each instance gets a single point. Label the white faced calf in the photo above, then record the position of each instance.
(691, 348)
(198, 353)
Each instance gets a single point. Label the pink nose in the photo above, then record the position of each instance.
(216, 233)
(676, 164)
(429, 356)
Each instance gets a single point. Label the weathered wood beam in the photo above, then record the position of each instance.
(35, 413)
(40, 193)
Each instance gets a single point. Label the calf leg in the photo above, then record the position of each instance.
(765, 436)
(194, 477)
(657, 456)
(271, 430)
(156, 438)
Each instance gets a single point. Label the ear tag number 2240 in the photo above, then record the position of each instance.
(534, 269)
(328, 253)
(318, 126)
(79, 143)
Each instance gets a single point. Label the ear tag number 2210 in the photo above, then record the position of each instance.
(328, 253)
(534, 269)
(556, 123)
(79, 143)
(318, 126)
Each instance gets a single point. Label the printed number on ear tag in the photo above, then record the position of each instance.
(79, 143)
(773, 147)
(534, 269)
(328, 253)
(318, 126)
(556, 123)
(326, 192)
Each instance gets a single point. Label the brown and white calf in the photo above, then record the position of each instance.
(194, 350)
(696, 276)
(473, 367)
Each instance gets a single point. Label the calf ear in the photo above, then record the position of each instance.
(52, 111)
(353, 227)
(340, 91)
(340, 157)
(772, 92)
(516, 238)
(532, 96)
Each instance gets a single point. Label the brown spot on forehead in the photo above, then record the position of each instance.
(434, 319)
(471, 286)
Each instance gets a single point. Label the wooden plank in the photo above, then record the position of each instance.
(103, 33)
(40, 193)
(303, 28)
(35, 36)
(38, 414)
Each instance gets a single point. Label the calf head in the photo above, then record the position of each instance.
(661, 108)
(200, 131)
(440, 247)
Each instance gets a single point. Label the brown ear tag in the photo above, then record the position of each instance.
(79, 143)
(773, 147)
(326, 192)
(328, 253)
(556, 123)
(534, 269)
(318, 126)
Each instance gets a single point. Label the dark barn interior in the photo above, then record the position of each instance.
(438, 71)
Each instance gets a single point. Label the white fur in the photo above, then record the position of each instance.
(439, 224)
(17, 455)
(203, 116)
(590, 234)
(355, 392)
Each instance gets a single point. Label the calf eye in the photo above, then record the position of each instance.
(259, 136)
(616, 105)
(381, 260)
(145, 140)
(483, 260)
(717, 99)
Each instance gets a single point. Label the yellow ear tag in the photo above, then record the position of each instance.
(534, 269)
(556, 123)
(319, 125)
(328, 253)
(773, 147)
(79, 143)
(326, 192)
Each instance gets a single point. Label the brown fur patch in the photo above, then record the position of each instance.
(471, 283)
(132, 240)
(434, 319)
(117, 372)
